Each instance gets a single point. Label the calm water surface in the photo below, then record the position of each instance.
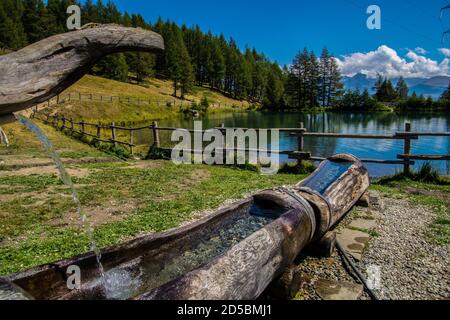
(374, 123)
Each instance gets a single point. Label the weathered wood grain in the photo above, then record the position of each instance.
(44, 69)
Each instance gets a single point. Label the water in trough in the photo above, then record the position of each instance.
(150, 271)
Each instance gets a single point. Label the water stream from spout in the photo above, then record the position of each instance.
(65, 177)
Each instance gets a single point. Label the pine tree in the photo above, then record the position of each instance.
(335, 86)
(112, 67)
(313, 80)
(274, 92)
(12, 33)
(187, 72)
(324, 77)
(218, 66)
(33, 19)
(402, 89)
(178, 62)
(378, 83)
(445, 95)
(386, 92)
(141, 64)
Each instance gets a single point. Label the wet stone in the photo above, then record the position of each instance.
(338, 290)
(353, 242)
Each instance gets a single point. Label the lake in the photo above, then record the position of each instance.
(373, 123)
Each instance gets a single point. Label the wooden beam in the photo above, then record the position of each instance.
(423, 157)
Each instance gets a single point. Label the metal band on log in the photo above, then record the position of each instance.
(44, 69)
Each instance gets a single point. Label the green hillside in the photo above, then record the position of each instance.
(163, 104)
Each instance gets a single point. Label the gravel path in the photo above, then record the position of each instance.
(410, 267)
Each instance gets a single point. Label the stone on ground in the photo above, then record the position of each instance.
(363, 224)
(353, 242)
(364, 201)
(334, 290)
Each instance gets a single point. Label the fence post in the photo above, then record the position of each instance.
(82, 127)
(113, 134)
(98, 131)
(407, 149)
(156, 141)
(131, 141)
(71, 124)
(301, 141)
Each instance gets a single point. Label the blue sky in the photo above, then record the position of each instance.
(280, 28)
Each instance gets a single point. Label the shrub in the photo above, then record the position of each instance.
(426, 174)
(302, 167)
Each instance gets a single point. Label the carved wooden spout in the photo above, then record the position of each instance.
(44, 69)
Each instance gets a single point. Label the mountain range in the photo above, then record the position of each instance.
(433, 87)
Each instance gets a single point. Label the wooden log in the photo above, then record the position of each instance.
(334, 188)
(44, 69)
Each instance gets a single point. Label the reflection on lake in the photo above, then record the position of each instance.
(374, 123)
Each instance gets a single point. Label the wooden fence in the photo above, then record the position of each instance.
(75, 96)
(406, 158)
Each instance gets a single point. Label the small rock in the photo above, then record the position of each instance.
(353, 242)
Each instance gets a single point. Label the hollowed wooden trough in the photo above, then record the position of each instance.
(233, 253)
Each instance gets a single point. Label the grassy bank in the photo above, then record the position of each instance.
(154, 90)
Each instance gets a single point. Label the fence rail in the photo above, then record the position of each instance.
(76, 96)
(406, 158)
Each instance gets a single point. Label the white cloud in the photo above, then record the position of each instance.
(387, 62)
(445, 51)
(420, 50)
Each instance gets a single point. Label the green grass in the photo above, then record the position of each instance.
(165, 195)
(129, 113)
(24, 145)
